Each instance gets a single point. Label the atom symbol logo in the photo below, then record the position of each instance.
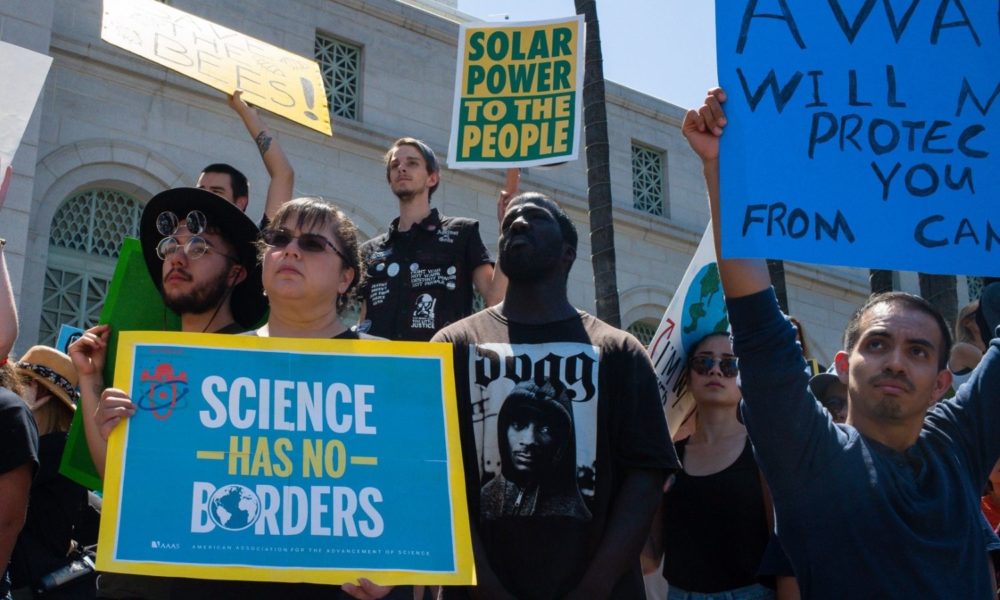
(166, 388)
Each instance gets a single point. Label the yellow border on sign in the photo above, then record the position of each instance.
(464, 572)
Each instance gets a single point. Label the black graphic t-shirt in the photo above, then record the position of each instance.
(552, 418)
(420, 280)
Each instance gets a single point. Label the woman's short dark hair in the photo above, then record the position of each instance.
(313, 212)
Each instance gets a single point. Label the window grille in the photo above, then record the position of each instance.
(647, 180)
(340, 64)
(643, 330)
(84, 242)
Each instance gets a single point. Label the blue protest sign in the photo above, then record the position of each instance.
(286, 460)
(67, 335)
(862, 132)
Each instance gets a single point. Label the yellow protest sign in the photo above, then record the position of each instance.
(270, 77)
(518, 94)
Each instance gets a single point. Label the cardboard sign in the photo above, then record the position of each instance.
(17, 102)
(286, 460)
(518, 94)
(270, 77)
(132, 303)
(862, 133)
(697, 309)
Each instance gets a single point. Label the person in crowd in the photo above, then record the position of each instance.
(18, 463)
(18, 434)
(200, 250)
(622, 449)
(713, 524)
(969, 344)
(310, 263)
(905, 471)
(226, 181)
(60, 520)
(419, 276)
(831, 392)
(309, 257)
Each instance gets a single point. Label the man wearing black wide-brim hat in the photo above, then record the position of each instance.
(199, 250)
(200, 253)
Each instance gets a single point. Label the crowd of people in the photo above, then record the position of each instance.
(875, 478)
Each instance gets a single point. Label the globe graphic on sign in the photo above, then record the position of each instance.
(234, 507)
(704, 307)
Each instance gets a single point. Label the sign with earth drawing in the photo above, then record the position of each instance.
(696, 310)
(265, 459)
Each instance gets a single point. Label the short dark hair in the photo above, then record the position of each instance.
(853, 331)
(237, 180)
(429, 158)
(566, 225)
(312, 211)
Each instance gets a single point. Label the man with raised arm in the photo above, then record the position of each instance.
(564, 441)
(886, 505)
(420, 274)
(226, 181)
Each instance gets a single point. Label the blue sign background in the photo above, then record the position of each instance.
(161, 463)
(765, 154)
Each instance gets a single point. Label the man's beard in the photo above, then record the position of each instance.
(523, 270)
(203, 298)
(405, 195)
(528, 266)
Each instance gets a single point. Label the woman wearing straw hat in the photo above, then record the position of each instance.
(59, 519)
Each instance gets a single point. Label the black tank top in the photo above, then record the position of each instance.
(714, 527)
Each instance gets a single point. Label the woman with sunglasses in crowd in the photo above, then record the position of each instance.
(712, 526)
(309, 255)
(309, 261)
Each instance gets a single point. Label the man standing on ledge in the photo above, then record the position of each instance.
(575, 526)
(420, 274)
(898, 485)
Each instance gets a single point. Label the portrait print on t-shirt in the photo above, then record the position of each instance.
(534, 415)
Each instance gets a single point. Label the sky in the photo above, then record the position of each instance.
(663, 48)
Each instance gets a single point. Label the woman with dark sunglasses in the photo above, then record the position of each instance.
(309, 260)
(712, 526)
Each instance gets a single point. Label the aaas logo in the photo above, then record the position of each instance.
(165, 390)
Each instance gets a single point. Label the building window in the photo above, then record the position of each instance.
(340, 64)
(643, 330)
(647, 181)
(84, 241)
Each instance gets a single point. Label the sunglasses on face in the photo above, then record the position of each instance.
(313, 243)
(194, 248)
(728, 366)
(167, 223)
